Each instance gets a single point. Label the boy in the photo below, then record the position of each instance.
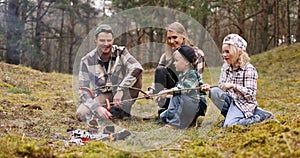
(186, 103)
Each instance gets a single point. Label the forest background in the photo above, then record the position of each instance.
(37, 107)
(46, 34)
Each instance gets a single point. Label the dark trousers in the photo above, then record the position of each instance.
(83, 113)
(164, 78)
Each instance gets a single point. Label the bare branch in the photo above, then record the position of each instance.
(252, 15)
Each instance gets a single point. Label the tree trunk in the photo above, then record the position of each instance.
(298, 23)
(276, 23)
(288, 38)
(204, 21)
(87, 25)
(262, 27)
(151, 52)
(217, 30)
(61, 41)
(24, 16)
(36, 56)
(72, 37)
(13, 35)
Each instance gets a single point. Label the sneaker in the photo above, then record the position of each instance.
(265, 115)
(269, 115)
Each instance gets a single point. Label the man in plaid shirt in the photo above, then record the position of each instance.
(236, 94)
(111, 70)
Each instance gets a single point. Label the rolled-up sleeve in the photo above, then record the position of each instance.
(133, 69)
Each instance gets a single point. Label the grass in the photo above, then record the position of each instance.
(18, 90)
(37, 108)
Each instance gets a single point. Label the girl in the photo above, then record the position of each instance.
(236, 94)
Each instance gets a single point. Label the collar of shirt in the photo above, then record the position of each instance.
(113, 56)
(228, 68)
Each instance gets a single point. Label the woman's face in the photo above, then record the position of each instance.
(174, 39)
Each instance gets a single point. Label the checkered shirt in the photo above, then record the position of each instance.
(245, 80)
(189, 79)
(123, 69)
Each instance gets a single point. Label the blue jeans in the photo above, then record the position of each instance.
(234, 116)
(181, 111)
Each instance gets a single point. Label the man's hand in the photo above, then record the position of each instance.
(103, 113)
(117, 99)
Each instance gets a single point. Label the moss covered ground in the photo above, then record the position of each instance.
(37, 108)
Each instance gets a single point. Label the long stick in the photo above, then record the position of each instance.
(133, 88)
(138, 98)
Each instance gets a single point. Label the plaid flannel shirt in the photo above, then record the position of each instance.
(245, 80)
(123, 70)
(189, 79)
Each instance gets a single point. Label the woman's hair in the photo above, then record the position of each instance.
(242, 59)
(179, 29)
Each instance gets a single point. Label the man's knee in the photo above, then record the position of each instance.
(80, 117)
(82, 113)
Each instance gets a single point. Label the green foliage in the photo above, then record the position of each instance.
(34, 125)
(10, 147)
(18, 90)
(7, 85)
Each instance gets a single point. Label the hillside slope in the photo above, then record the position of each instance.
(36, 108)
(279, 78)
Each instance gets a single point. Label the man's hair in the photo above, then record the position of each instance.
(103, 28)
